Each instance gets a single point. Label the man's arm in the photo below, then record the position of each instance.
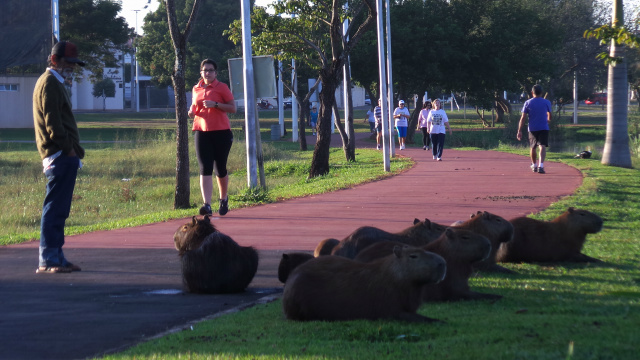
(520, 125)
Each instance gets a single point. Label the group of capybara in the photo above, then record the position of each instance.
(375, 274)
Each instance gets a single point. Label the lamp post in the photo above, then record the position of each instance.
(135, 52)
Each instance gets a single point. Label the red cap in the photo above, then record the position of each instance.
(68, 51)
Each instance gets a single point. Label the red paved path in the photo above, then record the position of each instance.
(111, 303)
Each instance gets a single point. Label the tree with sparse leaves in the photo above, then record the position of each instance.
(104, 88)
(179, 39)
(155, 49)
(312, 32)
(97, 30)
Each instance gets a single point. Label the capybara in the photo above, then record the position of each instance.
(460, 249)
(560, 239)
(421, 233)
(190, 235)
(214, 264)
(495, 228)
(290, 261)
(325, 247)
(332, 288)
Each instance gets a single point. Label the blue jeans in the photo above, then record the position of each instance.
(61, 180)
(437, 140)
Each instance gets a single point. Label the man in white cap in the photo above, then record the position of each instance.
(401, 115)
(58, 143)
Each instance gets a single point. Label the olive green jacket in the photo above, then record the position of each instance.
(53, 120)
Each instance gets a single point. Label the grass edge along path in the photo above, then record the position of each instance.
(551, 311)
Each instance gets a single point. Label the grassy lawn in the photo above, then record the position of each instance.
(568, 311)
(128, 177)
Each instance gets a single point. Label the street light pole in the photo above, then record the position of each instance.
(135, 51)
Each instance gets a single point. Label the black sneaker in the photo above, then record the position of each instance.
(224, 207)
(541, 171)
(534, 168)
(206, 209)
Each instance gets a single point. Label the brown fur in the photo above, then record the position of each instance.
(560, 239)
(212, 262)
(497, 230)
(333, 288)
(289, 262)
(421, 233)
(325, 247)
(191, 235)
(460, 249)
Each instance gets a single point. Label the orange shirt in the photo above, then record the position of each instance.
(210, 119)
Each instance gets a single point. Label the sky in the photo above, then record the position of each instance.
(145, 6)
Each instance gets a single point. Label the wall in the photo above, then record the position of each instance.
(16, 107)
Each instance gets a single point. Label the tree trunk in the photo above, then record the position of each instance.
(303, 115)
(341, 130)
(179, 40)
(349, 140)
(616, 147)
(320, 160)
(183, 187)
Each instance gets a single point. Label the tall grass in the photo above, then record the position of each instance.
(130, 180)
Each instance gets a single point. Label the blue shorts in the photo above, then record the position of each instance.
(402, 131)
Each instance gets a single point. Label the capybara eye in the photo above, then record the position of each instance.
(413, 256)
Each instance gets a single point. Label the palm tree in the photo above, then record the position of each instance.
(616, 146)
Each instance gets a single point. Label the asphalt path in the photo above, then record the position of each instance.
(130, 289)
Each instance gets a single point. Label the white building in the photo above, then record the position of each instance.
(16, 92)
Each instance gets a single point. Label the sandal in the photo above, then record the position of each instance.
(53, 269)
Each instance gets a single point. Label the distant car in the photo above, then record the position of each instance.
(367, 101)
(286, 103)
(597, 99)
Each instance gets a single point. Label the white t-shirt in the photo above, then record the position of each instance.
(436, 120)
(401, 121)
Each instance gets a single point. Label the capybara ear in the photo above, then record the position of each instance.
(427, 223)
(397, 251)
(449, 233)
(472, 215)
(571, 209)
(285, 256)
(206, 219)
(194, 221)
(415, 221)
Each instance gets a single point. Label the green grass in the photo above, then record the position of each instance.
(128, 177)
(569, 311)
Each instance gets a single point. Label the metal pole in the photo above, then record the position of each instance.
(249, 96)
(383, 89)
(392, 143)
(280, 99)
(135, 49)
(55, 12)
(575, 97)
(294, 102)
(345, 82)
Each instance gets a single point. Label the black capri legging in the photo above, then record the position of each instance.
(212, 150)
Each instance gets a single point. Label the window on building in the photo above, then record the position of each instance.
(8, 87)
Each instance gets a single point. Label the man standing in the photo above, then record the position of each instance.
(58, 143)
(377, 112)
(538, 110)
